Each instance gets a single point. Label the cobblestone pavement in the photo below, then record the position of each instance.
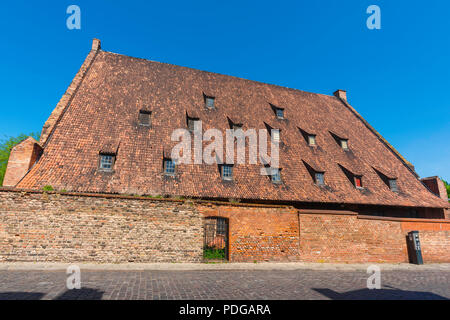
(233, 285)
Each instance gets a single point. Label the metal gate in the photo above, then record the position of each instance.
(215, 243)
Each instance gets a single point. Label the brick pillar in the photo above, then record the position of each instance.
(21, 159)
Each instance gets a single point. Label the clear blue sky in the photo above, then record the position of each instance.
(398, 77)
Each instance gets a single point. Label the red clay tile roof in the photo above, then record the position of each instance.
(103, 114)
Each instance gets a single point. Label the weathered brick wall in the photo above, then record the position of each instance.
(52, 227)
(259, 233)
(351, 238)
(434, 239)
(328, 237)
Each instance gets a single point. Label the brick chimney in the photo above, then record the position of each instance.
(21, 159)
(341, 94)
(96, 44)
(436, 186)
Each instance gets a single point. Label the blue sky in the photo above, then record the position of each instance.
(398, 77)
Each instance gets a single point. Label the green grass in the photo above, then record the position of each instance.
(213, 254)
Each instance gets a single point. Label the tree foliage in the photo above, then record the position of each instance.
(6, 144)
(447, 186)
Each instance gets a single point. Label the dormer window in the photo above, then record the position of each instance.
(145, 117)
(388, 178)
(234, 125)
(393, 185)
(169, 167)
(312, 140)
(191, 123)
(319, 177)
(316, 174)
(279, 113)
(106, 162)
(227, 172)
(354, 178)
(275, 135)
(358, 182)
(341, 141)
(344, 144)
(276, 175)
(209, 102)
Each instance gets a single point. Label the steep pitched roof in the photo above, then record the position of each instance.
(104, 112)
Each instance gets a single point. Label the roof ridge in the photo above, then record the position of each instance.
(220, 74)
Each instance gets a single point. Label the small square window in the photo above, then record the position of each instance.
(393, 185)
(169, 167)
(237, 126)
(276, 175)
(344, 144)
(106, 162)
(358, 182)
(279, 113)
(144, 117)
(227, 172)
(312, 140)
(191, 124)
(320, 178)
(209, 102)
(276, 135)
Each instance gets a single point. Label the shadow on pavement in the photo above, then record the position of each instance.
(21, 295)
(81, 294)
(379, 294)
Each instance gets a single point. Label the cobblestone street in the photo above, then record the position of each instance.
(225, 284)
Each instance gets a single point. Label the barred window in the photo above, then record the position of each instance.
(169, 167)
(227, 172)
(106, 162)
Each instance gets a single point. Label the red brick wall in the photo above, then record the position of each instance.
(36, 226)
(345, 238)
(259, 233)
(434, 239)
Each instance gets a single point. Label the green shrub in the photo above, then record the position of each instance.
(213, 254)
(48, 188)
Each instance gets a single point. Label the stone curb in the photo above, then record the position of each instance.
(16, 266)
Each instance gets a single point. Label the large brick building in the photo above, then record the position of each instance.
(111, 134)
